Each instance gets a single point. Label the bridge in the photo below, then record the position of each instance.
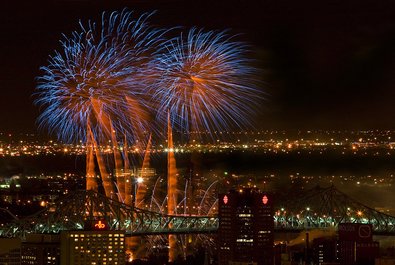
(316, 208)
(84, 207)
(327, 207)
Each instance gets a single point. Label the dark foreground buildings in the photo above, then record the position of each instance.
(356, 244)
(245, 234)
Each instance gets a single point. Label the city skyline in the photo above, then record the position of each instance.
(324, 66)
(279, 141)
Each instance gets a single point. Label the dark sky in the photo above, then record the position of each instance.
(327, 64)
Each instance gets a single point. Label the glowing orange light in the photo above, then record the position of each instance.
(100, 225)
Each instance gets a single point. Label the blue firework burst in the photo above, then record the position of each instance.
(97, 79)
(206, 82)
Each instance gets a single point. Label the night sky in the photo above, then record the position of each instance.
(326, 64)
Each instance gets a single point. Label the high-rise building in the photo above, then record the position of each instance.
(245, 234)
(93, 247)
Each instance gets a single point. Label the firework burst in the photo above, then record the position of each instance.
(97, 78)
(206, 82)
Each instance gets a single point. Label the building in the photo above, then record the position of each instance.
(356, 245)
(10, 251)
(93, 247)
(245, 233)
(40, 249)
(325, 250)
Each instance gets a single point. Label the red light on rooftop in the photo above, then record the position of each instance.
(225, 199)
(265, 199)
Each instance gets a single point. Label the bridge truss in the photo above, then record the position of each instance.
(325, 208)
(318, 208)
(86, 207)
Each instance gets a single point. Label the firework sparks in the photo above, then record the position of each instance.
(94, 88)
(205, 204)
(99, 65)
(206, 82)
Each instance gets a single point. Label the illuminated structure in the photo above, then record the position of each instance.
(245, 233)
(73, 210)
(327, 207)
(97, 246)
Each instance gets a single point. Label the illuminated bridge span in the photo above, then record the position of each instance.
(316, 208)
(325, 208)
(86, 207)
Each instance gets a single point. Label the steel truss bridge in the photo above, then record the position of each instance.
(325, 208)
(318, 208)
(87, 207)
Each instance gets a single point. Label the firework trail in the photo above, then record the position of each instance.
(141, 190)
(206, 82)
(91, 181)
(142, 184)
(156, 201)
(171, 187)
(97, 81)
(206, 203)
